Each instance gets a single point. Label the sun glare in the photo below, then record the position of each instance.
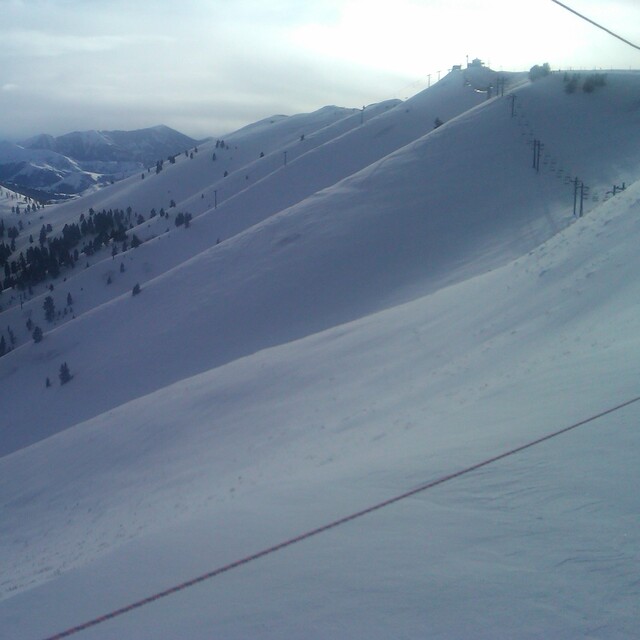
(389, 37)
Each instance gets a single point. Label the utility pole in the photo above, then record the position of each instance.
(513, 104)
(583, 191)
(285, 158)
(537, 150)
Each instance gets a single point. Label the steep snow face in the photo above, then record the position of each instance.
(221, 465)
(302, 154)
(381, 237)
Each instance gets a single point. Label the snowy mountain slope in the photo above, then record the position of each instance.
(592, 116)
(346, 154)
(191, 176)
(451, 96)
(177, 177)
(325, 156)
(271, 187)
(187, 183)
(40, 169)
(436, 308)
(224, 464)
(377, 239)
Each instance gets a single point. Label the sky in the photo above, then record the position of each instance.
(208, 67)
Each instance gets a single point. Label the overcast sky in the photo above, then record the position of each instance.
(207, 67)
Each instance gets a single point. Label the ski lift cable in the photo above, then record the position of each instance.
(336, 523)
(595, 24)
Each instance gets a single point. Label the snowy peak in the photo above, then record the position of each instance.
(82, 159)
(144, 146)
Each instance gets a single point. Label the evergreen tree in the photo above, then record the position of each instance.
(49, 309)
(3, 346)
(136, 290)
(69, 300)
(65, 374)
(37, 335)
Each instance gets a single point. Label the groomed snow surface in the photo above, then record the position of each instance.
(358, 322)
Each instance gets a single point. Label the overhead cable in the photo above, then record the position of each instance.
(595, 24)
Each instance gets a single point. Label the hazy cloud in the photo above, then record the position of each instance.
(207, 67)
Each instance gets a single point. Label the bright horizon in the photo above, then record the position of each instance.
(209, 68)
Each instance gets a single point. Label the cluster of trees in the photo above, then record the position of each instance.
(49, 255)
(28, 209)
(31, 204)
(183, 219)
(539, 71)
(50, 313)
(12, 233)
(590, 83)
(172, 160)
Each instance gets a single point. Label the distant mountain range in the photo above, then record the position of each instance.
(53, 168)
